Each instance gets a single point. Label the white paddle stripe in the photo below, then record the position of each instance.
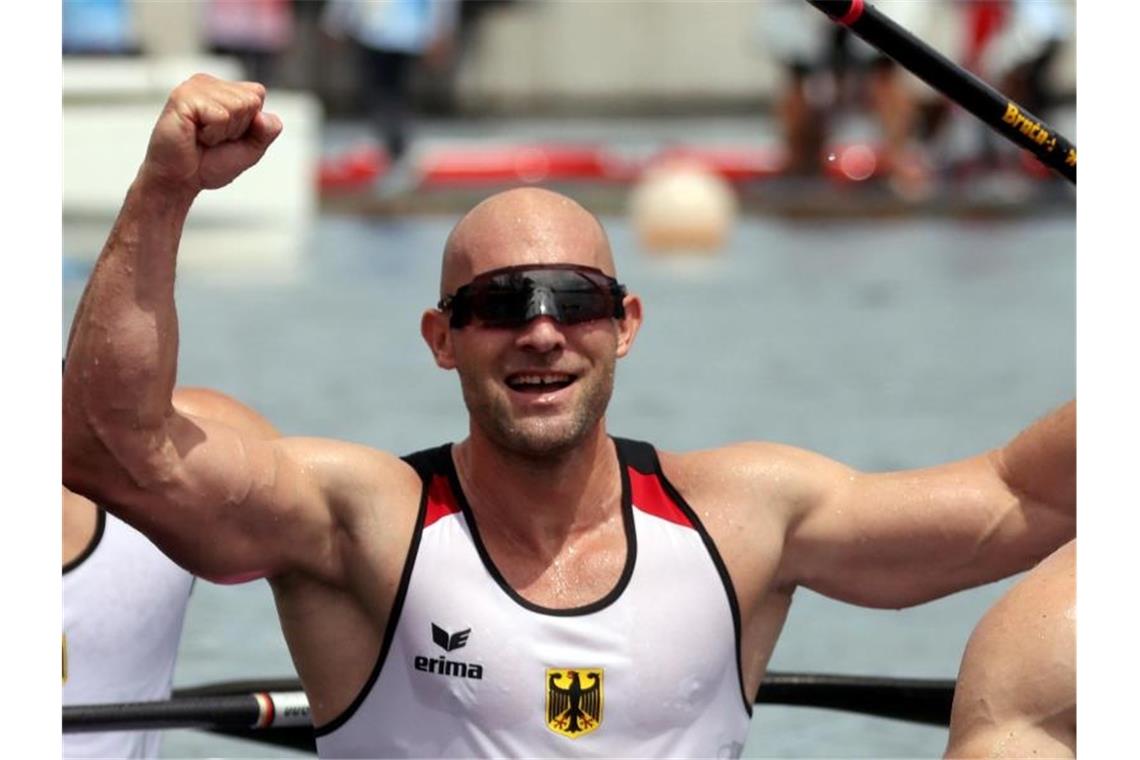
(292, 708)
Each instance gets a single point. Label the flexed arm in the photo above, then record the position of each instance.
(209, 132)
(222, 502)
(901, 538)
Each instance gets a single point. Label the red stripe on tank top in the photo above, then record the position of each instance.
(649, 496)
(440, 501)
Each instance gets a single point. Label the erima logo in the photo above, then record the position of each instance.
(442, 666)
(447, 642)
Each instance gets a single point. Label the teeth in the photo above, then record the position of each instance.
(539, 379)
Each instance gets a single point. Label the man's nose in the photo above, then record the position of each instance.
(541, 334)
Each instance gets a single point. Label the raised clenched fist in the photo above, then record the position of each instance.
(209, 132)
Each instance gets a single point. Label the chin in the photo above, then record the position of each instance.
(540, 435)
(542, 438)
(537, 437)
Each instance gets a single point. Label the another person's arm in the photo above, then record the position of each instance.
(1017, 688)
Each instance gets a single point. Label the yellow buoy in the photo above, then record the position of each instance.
(681, 206)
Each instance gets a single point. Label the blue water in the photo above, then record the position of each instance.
(884, 344)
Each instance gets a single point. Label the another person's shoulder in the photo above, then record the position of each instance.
(1016, 692)
(1033, 624)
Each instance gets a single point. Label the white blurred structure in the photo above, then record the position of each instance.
(682, 207)
(110, 106)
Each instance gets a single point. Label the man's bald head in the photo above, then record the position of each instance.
(525, 225)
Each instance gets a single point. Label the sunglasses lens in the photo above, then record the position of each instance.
(500, 307)
(512, 298)
(576, 306)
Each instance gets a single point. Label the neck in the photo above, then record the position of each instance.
(540, 503)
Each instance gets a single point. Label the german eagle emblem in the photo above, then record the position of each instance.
(573, 700)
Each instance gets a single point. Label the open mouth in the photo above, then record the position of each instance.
(539, 382)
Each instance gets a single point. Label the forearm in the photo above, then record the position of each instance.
(1040, 464)
(122, 353)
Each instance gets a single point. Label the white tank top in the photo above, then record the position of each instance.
(469, 668)
(123, 605)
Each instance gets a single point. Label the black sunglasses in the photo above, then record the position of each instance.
(512, 296)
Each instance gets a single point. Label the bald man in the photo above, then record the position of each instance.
(124, 602)
(1017, 686)
(539, 588)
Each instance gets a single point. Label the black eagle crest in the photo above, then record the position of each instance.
(577, 708)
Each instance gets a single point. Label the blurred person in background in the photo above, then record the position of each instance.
(1019, 57)
(825, 68)
(1012, 45)
(124, 602)
(1022, 52)
(253, 31)
(99, 27)
(1016, 695)
(391, 38)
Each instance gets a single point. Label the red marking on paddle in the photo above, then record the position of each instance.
(854, 11)
(265, 710)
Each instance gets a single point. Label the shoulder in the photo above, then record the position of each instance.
(214, 405)
(371, 500)
(1018, 674)
(755, 472)
(747, 492)
(349, 473)
(748, 496)
(357, 492)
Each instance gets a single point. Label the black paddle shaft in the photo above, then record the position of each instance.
(238, 711)
(919, 700)
(1005, 116)
(232, 709)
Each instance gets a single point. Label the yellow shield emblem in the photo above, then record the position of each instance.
(573, 700)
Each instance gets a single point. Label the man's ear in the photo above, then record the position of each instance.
(437, 335)
(629, 324)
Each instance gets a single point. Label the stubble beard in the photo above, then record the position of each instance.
(539, 438)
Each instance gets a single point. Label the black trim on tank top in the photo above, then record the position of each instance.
(422, 463)
(93, 544)
(587, 609)
(644, 458)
